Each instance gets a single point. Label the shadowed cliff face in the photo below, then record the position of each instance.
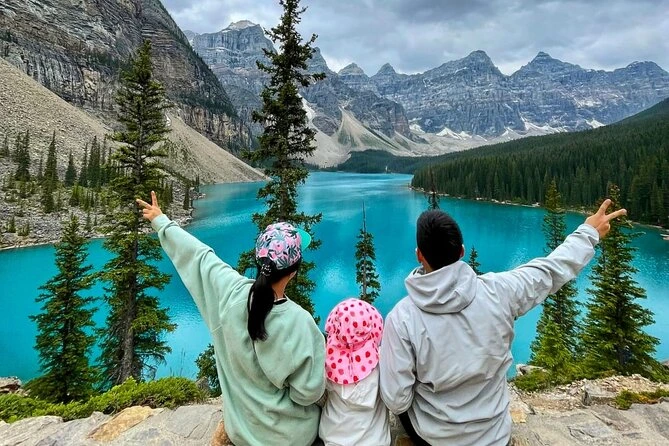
(76, 48)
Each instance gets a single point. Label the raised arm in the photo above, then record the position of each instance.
(209, 280)
(528, 285)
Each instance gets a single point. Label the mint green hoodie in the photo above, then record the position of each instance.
(268, 387)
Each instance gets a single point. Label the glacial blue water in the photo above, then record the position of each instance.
(505, 236)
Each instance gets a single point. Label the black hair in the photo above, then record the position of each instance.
(439, 238)
(261, 296)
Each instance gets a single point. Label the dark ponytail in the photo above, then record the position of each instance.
(261, 296)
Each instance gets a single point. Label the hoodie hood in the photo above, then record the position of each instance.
(447, 290)
(364, 394)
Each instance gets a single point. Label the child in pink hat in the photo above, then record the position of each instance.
(354, 413)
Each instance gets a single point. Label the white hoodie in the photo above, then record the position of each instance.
(447, 346)
(354, 414)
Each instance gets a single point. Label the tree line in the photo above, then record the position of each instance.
(633, 154)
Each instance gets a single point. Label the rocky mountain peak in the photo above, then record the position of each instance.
(190, 35)
(352, 69)
(478, 56)
(543, 63)
(385, 70)
(242, 24)
(645, 67)
(317, 64)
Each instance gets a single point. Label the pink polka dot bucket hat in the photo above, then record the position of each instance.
(354, 330)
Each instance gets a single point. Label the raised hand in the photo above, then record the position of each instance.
(150, 211)
(601, 221)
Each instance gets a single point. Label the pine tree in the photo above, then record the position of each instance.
(365, 256)
(186, 204)
(93, 169)
(432, 196)
(51, 168)
(560, 308)
(75, 197)
(49, 178)
(46, 200)
(286, 140)
(23, 159)
(132, 341)
(474, 262)
(83, 173)
(613, 337)
(63, 326)
(206, 369)
(71, 172)
(58, 203)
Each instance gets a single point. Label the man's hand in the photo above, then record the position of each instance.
(150, 211)
(601, 221)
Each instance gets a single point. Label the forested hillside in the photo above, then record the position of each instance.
(633, 153)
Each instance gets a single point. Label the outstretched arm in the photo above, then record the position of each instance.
(209, 280)
(528, 285)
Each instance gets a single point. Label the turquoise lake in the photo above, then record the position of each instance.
(504, 236)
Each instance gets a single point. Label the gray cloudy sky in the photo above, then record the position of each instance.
(416, 35)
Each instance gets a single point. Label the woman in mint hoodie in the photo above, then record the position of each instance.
(270, 355)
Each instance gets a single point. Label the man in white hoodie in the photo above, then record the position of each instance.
(447, 346)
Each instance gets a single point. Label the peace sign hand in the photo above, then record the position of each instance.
(601, 221)
(150, 211)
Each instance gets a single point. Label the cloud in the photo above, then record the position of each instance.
(416, 35)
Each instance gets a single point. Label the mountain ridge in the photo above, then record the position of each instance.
(76, 50)
(334, 107)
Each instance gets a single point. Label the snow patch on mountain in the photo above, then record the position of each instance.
(451, 134)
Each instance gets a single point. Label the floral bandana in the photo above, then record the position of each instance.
(354, 330)
(282, 243)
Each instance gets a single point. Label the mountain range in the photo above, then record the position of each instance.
(460, 104)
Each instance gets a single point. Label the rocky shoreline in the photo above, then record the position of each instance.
(577, 414)
(46, 229)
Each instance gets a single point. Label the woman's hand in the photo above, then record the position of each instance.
(150, 211)
(601, 221)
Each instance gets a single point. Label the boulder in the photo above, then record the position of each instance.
(10, 385)
(29, 430)
(595, 394)
(123, 421)
(518, 408)
(591, 432)
(193, 422)
(524, 369)
(75, 431)
(666, 363)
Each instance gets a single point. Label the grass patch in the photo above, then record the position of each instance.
(538, 380)
(625, 399)
(166, 392)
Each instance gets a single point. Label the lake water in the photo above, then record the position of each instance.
(505, 236)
